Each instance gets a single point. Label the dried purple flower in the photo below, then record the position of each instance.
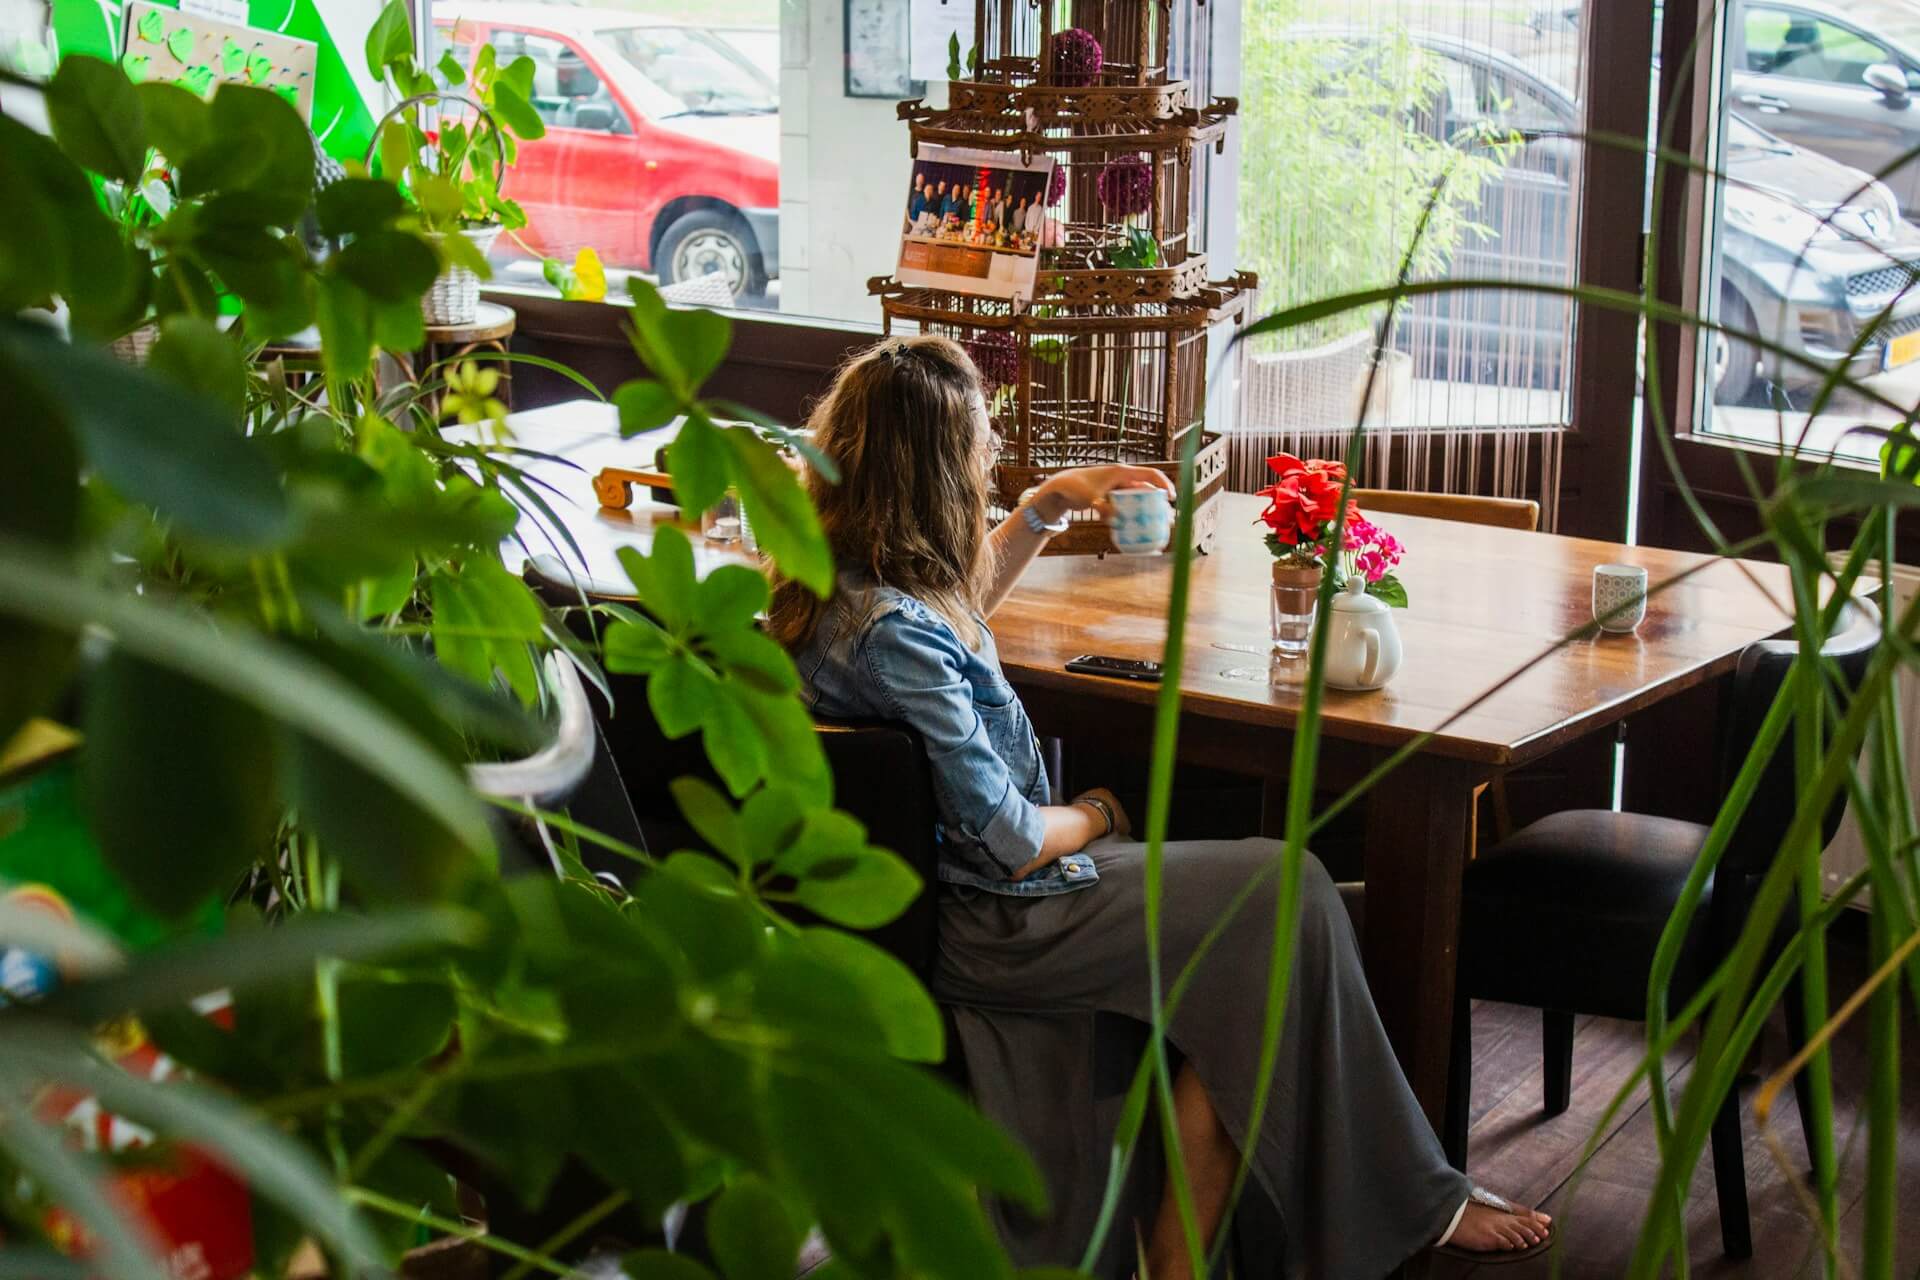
(1056, 185)
(1077, 58)
(1125, 186)
(995, 354)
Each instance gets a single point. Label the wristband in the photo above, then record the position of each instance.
(1100, 807)
(1042, 527)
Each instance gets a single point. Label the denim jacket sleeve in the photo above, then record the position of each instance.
(916, 664)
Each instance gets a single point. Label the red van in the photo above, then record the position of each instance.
(662, 144)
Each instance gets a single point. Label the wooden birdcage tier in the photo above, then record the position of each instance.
(1037, 119)
(1015, 37)
(1200, 306)
(1086, 533)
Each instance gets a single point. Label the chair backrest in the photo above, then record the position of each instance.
(1757, 681)
(880, 769)
(1468, 508)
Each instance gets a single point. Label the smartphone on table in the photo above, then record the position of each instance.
(1094, 664)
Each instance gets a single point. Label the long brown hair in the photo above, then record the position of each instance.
(910, 508)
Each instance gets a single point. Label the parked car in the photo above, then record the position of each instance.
(1810, 251)
(662, 145)
(1823, 80)
(759, 45)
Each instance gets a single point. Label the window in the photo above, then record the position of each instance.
(1355, 123)
(1790, 42)
(1812, 260)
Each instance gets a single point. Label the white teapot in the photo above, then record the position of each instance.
(1363, 644)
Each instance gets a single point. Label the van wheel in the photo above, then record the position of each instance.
(1736, 361)
(709, 242)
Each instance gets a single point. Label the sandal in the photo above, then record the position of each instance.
(1489, 1257)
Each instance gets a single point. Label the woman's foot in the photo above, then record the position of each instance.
(1485, 1229)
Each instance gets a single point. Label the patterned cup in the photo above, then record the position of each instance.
(1141, 521)
(1619, 596)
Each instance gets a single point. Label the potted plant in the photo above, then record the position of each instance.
(312, 691)
(449, 142)
(1303, 504)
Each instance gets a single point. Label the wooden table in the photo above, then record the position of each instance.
(1485, 602)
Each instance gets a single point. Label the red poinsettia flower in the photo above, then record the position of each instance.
(1304, 498)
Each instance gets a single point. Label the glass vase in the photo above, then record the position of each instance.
(1296, 596)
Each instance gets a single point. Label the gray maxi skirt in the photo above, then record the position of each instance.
(1044, 990)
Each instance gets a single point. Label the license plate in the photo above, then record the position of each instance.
(1904, 349)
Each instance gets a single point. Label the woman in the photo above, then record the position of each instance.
(1041, 904)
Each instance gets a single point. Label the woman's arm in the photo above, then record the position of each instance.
(1012, 546)
(1072, 827)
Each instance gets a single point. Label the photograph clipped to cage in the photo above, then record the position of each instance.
(975, 222)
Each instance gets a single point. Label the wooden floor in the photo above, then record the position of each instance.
(1516, 1151)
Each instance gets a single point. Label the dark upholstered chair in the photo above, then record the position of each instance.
(1565, 916)
(880, 770)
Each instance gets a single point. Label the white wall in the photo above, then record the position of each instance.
(844, 170)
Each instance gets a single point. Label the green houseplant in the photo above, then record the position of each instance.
(449, 141)
(302, 632)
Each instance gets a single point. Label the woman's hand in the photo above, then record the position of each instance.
(1122, 825)
(1086, 489)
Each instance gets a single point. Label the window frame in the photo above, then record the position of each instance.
(1712, 464)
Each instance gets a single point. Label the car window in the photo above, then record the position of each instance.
(700, 73)
(567, 92)
(1479, 95)
(1788, 42)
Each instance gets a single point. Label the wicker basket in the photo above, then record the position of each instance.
(455, 295)
(134, 347)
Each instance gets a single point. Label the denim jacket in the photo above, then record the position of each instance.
(881, 654)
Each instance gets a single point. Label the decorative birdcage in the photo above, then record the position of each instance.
(1073, 385)
(1107, 360)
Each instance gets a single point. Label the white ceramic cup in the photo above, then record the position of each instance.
(1142, 519)
(1619, 596)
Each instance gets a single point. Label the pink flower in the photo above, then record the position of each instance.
(1371, 564)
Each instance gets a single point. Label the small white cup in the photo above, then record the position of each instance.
(1619, 597)
(1142, 520)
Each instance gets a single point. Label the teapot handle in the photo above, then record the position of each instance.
(1371, 667)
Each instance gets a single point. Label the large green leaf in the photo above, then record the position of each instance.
(386, 1025)
(178, 120)
(898, 1001)
(485, 619)
(258, 144)
(698, 461)
(96, 117)
(389, 40)
(156, 443)
(645, 404)
(352, 206)
(629, 1142)
(658, 1264)
(389, 265)
(56, 241)
(39, 504)
(751, 1234)
(178, 782)
(783, 516)
(199, 357)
